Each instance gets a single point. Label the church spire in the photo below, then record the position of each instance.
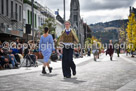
(75, 4)
(74, 11)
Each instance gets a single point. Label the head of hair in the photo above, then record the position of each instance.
(68, 22)
(46, 29)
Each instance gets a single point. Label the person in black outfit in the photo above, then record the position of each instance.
(68, 39)
(89, 51)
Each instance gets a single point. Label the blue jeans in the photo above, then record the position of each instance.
(12, 60)
(60, 57)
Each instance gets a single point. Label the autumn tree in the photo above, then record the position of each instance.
(131, 32)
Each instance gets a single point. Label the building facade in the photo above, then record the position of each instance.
(11, 19)
(40, 15)
(15, 14)
(76, 21)
(87, 32)
(39, 19)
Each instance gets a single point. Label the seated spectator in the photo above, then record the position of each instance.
(31, 58)
(76, 52)
(20, 49)
(17, 52)
(8, 53)
(14, 49)
(36, 49)
(4, 62)
(0, 43)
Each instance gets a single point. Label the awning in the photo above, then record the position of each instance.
(12, 32)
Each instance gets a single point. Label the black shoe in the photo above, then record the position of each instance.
(50, 69)
(74, 73)
(43, 70)
(68, 76)
(94, 59)
(111, 58)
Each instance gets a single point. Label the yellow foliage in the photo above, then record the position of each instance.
(131, 31)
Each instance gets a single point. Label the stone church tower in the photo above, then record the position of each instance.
(76, 21)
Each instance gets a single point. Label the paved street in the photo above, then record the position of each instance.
(104, 75)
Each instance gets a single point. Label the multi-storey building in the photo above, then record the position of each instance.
(40, 15)
(11, 19)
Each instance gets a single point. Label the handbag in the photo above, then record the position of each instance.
(54, 57)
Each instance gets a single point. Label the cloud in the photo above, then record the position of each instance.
(94, 10)
(55, 4)
(104, 4)
(105, 15)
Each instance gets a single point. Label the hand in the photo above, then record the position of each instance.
(2, 51)
(10, 51)
(40, 53)
(60, 43)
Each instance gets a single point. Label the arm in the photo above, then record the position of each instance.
(61, 38)
(40, 43)
(52, 43)
(75, 37)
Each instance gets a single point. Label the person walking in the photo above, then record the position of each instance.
(110, 49)
(95, 51)
(67, 40)
(89, 51)
(46, 47)
(118, 50)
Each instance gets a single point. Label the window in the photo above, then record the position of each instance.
(75, 6)
(11, 9)
(16, 11)
(39, 24)
(2, 6)
(20, 16)
(7, 1)
(35, 21)
(31, 17)
(28, 16)
(75, 18)
(41, 21)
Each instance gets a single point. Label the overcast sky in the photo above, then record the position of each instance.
(93, 11)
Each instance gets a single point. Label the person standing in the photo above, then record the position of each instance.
(67, 40)
(95, 51)
(118, 50)
(46, 47)
(89, 51)
(110, 50)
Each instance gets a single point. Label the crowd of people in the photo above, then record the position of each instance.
(11, 54)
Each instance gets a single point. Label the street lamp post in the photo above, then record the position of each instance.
(64, 11)
(86, 30)
(32, 20)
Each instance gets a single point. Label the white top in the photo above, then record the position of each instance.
(68, 29)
